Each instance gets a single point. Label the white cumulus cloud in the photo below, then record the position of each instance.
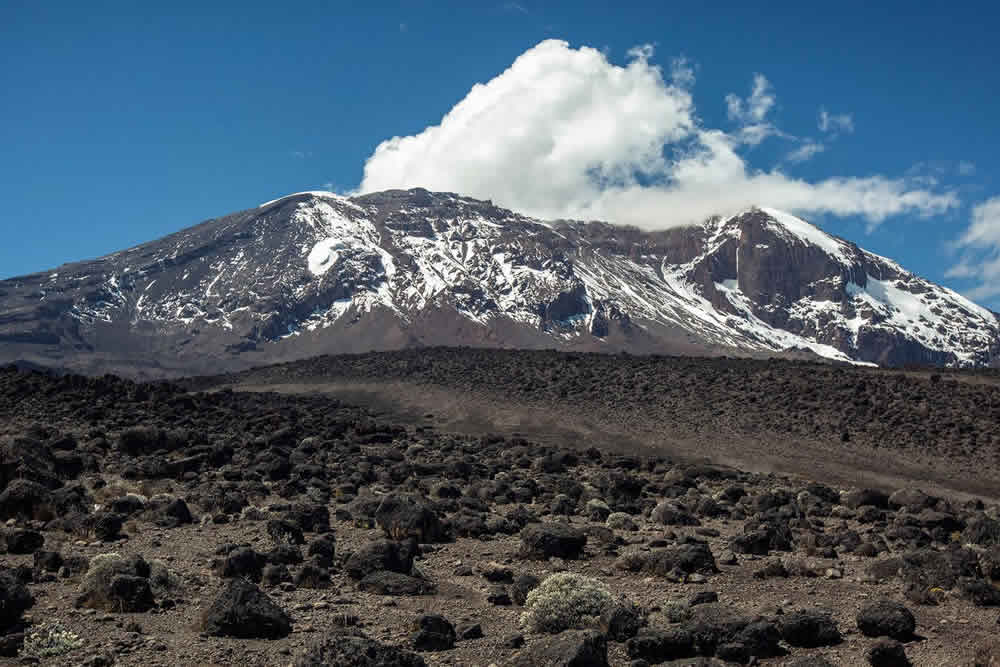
(565, 133)
(981, 243)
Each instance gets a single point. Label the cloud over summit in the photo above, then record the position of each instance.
(564, 133)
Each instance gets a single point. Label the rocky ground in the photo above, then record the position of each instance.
(149, 524)
(843, 424)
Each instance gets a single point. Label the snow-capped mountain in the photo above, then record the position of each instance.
(314, 272)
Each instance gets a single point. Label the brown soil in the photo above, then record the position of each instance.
(566, 424)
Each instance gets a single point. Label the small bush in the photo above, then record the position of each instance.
(677, 611)
(48, 641)
(565, 601)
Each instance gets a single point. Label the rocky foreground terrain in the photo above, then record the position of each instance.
(150, 524)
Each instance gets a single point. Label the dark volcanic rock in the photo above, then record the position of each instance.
(552, 540)
(15, 599)
(404, 517)
(979, 592)
(130, 594)
(108, 526)
(48, 561)
(117, 584)
(432, 632)
(658, 646)
(21, 541)
(621, 621)
(886, 618)
(809, 629)
(380, 555)
(683, 559)
(353, 651)
(322, 551)
(312, 576)
(521, 586)
(395, 583)
(470, 631)
(285, 532)
(887, 653)
(243, 562)
(170, 512)
(571, 648)
(24, 499)
(242, 610)
(669, 514)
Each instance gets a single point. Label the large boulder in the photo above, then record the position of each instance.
(718, 631)
(572, 648)
(26, 500)
(432, 632)
(862, 497)
(911, 499)
(621, 621)
(244, 611)
(761, 537)
(108, 526)
(521, 586)
(379, 556)
(309, 517)
(21, 541)
(888, 653)
(404, 516)
(809, 629)
(283, 531)
(15, 599)
(983, 531)
(116, 584)
(683, 559)
(656, 646)
(540, 541)
(131, 593)
(886, 618)
(242, 562)
(670, 514)
(385, 582)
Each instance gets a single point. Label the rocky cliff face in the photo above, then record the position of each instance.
(315, 273)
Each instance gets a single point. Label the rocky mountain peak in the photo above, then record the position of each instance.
(316, 272)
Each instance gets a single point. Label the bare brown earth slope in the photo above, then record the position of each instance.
(837, 423)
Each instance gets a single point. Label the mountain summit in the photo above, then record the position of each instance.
(316, 273)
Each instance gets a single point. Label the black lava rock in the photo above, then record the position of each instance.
(242, 610)
(886, 618)
(809, 629)
(433, 633)
(540, 541)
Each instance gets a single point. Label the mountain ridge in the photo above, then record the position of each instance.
(316, 272)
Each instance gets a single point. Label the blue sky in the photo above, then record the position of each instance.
(121, 124)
